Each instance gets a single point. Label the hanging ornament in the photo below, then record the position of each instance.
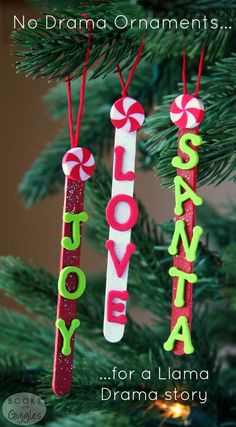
(186, 113)
(78, 165)
(127, 116)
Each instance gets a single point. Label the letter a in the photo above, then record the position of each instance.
(181, 197)
(180, 332)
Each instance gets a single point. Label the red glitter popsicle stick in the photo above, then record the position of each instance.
(78, 165)
(186, 113)
(180, 261)
(67, 309)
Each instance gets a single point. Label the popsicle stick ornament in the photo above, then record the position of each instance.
(78, 165)
(187, 112)
(127, 116)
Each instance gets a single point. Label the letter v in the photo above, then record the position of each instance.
(120, 265)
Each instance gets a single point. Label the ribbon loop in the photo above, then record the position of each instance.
(74, 136)
(200, 68)
(126, 85)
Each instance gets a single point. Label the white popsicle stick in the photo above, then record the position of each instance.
(113, 332)
(127, 116)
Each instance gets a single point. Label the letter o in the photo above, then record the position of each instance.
(110, 212)
(62, 283)
(125, 22)
(32, 24)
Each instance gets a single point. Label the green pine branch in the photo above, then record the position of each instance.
(15, 376)
(87, 384)
(94, 364)
(45, 176)
(51, 4)
(154, 5)
(55, 53)
(189, 5)
(217, 154)
(91, 365)
(106, 90)
(17, 277)
(151, 257)
(27, 338)
(98, 419)
(220, 228)
(217, 159)
(20, 280)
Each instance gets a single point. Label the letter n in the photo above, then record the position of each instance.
(180, 233)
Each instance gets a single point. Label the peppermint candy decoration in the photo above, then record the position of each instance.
(78, 164)
(187, 111)
(127, 114)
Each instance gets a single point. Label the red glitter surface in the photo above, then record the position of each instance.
(180, 261)
(67, 309)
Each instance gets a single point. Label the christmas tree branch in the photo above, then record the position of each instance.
(102, 92)
(28, 338)
(59, 53)
(151, 257)
(221, 229)
(98, 419)
(45, 176)
(17, 277)
(217, 157)
(154, 5)
(216, 160)
(15, 376)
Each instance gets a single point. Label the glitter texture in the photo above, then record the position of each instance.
(67, 309)
(180, 262)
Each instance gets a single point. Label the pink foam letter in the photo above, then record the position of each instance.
(119, 175)
(113, 306)
(110, 212)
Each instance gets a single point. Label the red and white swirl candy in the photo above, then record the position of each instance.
(78, 164)
(187, 111)
(127, 114)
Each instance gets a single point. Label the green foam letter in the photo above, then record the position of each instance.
(180, 332)
(67, 334)
(62, 282)
(183, 277)
(181, 197)
(191, 248)
(73, 243)
(178, 162)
